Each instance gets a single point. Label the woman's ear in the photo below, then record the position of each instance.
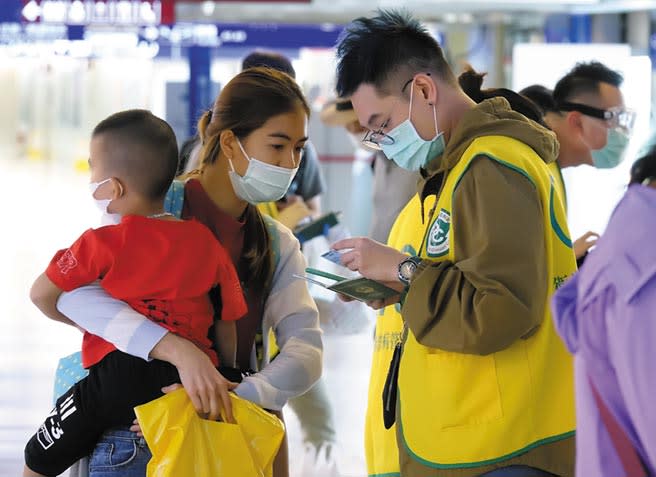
(228, 143)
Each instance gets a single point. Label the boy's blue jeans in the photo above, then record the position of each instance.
(119, 452)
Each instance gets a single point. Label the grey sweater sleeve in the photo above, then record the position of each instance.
(113, 320)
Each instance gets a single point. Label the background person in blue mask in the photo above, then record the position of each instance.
(586, 111)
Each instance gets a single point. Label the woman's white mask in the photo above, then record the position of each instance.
(262, 182)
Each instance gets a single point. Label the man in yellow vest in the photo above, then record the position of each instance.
(484, 384)
(586, 111)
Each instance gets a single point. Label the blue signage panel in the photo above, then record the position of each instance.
(200, 84)
(278, 36)
(564, 28)
(10, 11)
(249, 35)
(221, 35)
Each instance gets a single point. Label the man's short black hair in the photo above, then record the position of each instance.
(541, 96)
(269, 59)
(143, 150)
(645, 166)
(385, 49)
(585, 78)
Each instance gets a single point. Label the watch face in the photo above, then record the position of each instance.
(407, 269)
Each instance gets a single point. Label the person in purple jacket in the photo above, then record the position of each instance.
(606, 314)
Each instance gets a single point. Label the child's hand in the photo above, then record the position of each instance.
(135, 427)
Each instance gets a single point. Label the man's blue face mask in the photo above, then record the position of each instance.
(408, 150)
(612, 154)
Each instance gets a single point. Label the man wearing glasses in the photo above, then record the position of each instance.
(586, 111)
(484, 383)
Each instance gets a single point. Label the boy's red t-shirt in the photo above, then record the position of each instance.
(164, 269)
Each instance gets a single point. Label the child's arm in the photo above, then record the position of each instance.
(44, 294)
(226, 341)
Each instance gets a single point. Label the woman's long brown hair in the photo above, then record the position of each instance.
(248, 101)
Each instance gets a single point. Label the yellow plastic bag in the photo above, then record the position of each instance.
(184, 444)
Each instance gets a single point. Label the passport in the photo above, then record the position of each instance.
(359, 288)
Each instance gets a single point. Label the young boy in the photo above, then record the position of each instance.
(163, 267)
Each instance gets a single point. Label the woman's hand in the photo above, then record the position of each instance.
(206, 387)
(136, 428)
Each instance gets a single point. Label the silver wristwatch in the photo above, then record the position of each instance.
(407, 269)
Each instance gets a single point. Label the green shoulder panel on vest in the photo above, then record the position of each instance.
(495, 159)
(560, 233)
(558, 229)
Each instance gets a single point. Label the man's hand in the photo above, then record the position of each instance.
(585, 243)
(372, 259)
(206, 387)
(378, 304)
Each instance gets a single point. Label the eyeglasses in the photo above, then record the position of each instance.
(376, 139)
(614, 117)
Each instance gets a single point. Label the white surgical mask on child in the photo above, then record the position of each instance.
(107, 217)
(262, 182)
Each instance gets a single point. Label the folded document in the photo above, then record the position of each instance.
(360, 288)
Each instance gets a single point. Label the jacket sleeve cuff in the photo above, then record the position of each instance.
(421, 266)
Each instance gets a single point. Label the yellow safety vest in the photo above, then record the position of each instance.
(559, 183)
(458, 410)
(268, 208)
(380, 444)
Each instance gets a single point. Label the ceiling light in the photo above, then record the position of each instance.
(101, 9)
(207, 8)
(76, 13)
(54, 11)
(31, 11)
(146, 13)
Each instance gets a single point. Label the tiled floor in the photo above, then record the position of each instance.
(45, 207)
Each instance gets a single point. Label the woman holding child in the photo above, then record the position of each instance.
(251, 147)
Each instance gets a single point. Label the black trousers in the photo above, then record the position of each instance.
(104, 399)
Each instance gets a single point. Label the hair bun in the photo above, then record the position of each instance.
(471, 83)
